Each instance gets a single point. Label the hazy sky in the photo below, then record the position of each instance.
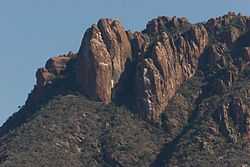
(31, 31)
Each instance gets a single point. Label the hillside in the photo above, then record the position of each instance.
(72, 131)
(174, 94)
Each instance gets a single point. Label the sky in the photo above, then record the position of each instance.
(31, 31)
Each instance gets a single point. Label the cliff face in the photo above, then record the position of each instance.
(162, 63)
(162, 57)
(106, 49)
(189, 82)
(171, 61)
(102, 57)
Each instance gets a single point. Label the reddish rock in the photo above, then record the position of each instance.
(171, 63)
(163, 56)
(54, 67)
(140, 45)
(234, 118)
(45, 77)
(95, 66)
(106, 47)
(57, 64)
(103, 54)
(228, 28)
(163, 23)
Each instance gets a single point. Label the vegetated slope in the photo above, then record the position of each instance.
(187, 87)
(71, 131)
(212, 136)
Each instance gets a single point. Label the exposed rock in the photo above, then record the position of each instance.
(43, 77)
(163, 24)
(192, 80)
(223, 118)
(95, 66)
(103, 54)
(171, 63)
(154, 62)
(234, 118)
(161, 65)
(140, 45)
(57, 65)
(54, 70)
(246, 54)
(215, 55)
(228, 28)
(230, 35)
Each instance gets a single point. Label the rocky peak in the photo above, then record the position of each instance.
(154, 62)
(55, 67)
(172, 62)
(167, 24)
(228, 28)
(104, 51)
(191, 80)
(56, 70)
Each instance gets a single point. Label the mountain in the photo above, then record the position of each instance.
(174, 94)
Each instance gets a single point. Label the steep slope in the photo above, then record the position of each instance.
(185, 88)
(72, 131)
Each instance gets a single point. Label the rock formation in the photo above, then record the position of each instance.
(163, 56)
(106, 49)
(190, 81)
(55, 69)
(102, 57)
(171, 62)
(234, 119)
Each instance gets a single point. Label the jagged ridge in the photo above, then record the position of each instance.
(149, 71)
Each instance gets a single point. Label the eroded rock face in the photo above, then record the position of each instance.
(228, 28)
(162, 57)
(160, 70)
(215, 56)
(167, 24)
(171, 62)
(54, 70)
(234, 119)
(161, 65)
(192, 80)
(102, 57)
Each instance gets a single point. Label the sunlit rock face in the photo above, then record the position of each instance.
(55, 70)
(102, 57)
(151, 65)
(106, 48)
(170, 62)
